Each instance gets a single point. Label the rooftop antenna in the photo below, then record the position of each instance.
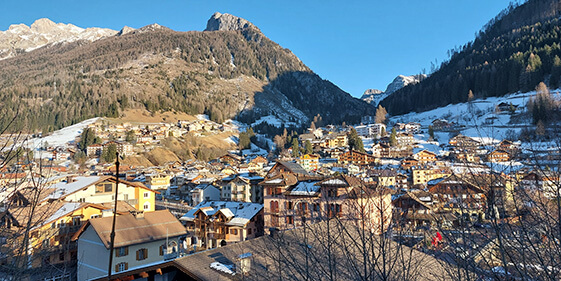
(112, 245)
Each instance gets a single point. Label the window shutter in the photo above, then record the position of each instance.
(126, 250)
(116, 268)
(126, 265)
(161, 250)
(145, 253)
(117, 252)
(137, 255)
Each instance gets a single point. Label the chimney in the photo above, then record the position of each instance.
(273, 232)
(70, 179)
(138, 214)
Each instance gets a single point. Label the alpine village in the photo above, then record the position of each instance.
(152, 154)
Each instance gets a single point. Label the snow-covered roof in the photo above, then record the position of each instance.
(240, 212)
(64, 188)
(305, 188)
(435, 181)
(65, 209)
(335, 181)
(278, 180)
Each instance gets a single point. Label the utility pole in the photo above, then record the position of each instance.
(111, 246)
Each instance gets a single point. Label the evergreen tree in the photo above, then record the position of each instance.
(393, 137)
(308, 147)
(87, 138)
(109, 153)
(431, 132)
(355, 142)
(295, 147)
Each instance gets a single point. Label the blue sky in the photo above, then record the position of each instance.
(355, 44)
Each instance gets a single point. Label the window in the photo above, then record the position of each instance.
(146, 206)
(146, 194)
(94, 216)
(108, 187)
(126, 197)
(141, 254)
(121, 267)
(290, 219)
(121, 251)
(249, 231)
(61, 256)
(76, 220)
(99, 188)
(234, 231)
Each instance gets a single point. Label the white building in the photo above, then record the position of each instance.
(204, 192)
(141, 239)
(371, 130)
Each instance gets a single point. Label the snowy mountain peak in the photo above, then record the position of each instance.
(401, 81)
(20, 37)
(374, 97)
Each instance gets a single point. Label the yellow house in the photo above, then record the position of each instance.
(52, 226)
(101, 189)
(309, 162)
(158, 181)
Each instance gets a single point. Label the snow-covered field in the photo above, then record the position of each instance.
(60, 137)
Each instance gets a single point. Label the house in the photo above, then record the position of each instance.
(464, 143)
(504, 107)
(258, 163)
(357, 158)
(94, 150)
(405, 139)
(456, 195)
(230, 159)
(334, 140)
(425, 156)
(414, 208)
(51, 225)
(409, 162)
(205, 191)
(282, 167)
(310, 162)
(101, 189)
(498, 156)
(291, 200)
(383, 177)
(242, 188)
(441, 124)
(141, 239)
(376, 130)
(420, 175)
(218, 223)
(157, 181)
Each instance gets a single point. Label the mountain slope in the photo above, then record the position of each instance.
(218, 72)
(515, 51)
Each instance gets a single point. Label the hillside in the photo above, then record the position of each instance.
(223, 72)
(514, 52)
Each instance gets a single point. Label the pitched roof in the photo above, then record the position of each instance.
(130, 230)
(239, 212)
(293, 167)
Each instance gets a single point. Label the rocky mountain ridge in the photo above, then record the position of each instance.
(20, 38)
(226, 74)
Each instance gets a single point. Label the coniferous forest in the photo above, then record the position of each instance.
(514, 52)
